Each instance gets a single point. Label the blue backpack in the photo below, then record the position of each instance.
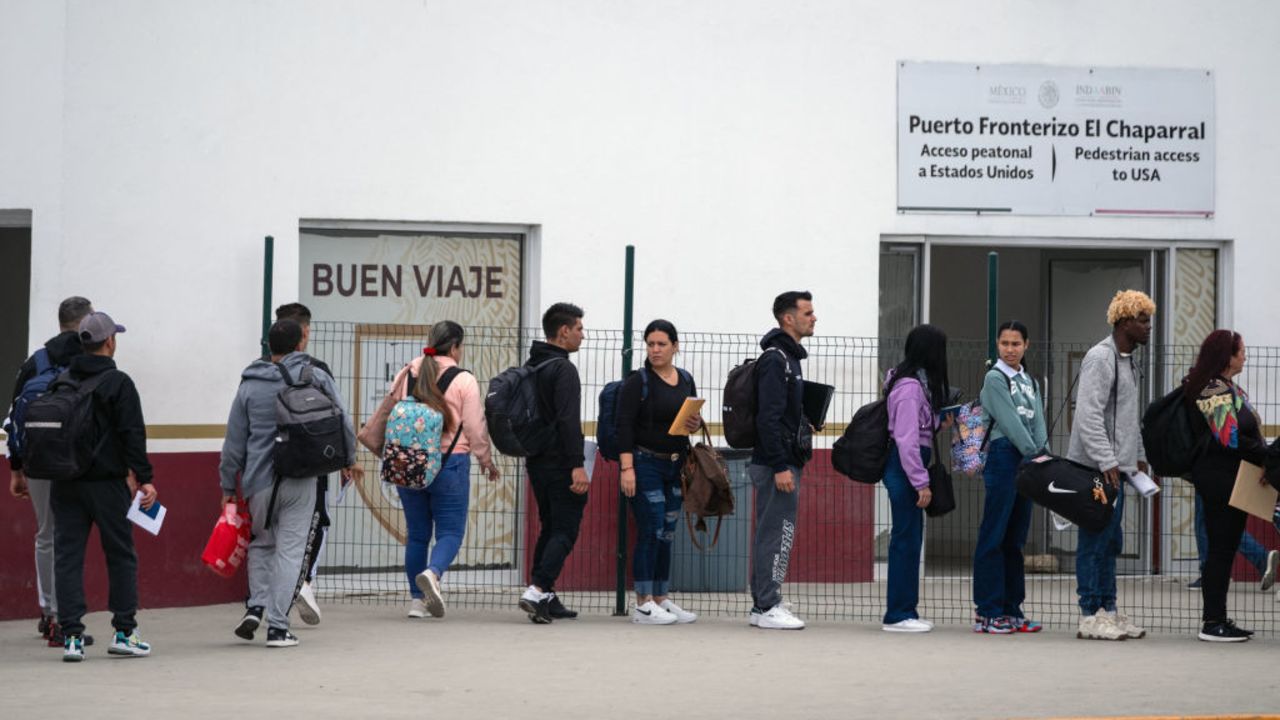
(16, 428)
(607, 420)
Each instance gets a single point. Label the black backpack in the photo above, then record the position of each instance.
(1174, 434)
(62, 435)
(311, 437)
(518, 425)
(738, 411)
(862, 450)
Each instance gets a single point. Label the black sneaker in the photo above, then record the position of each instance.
(42, 627)
(558, 611)
(249, 623)
(279, 637)
(1222, 632)
(540, 614)
(1232, 624)
(56, 638)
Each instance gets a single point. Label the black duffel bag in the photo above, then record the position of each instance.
(1077, 492)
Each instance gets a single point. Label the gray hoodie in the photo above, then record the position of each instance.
(1106, 434)
(251, 427)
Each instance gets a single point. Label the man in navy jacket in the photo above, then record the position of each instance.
(784, 443)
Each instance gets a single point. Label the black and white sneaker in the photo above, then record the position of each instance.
(538, 605)
(1222, 632)
(557, 610)
(279, 637)
(249, 623)
(1232, 624)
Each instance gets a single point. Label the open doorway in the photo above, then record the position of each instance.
(1061, 291)
(15, 297)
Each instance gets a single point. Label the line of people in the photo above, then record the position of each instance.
(289, 518)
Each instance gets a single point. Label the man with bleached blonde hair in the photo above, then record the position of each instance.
(1106, 434)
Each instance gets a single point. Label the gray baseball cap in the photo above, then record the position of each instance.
(97, 327)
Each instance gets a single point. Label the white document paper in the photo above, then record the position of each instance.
(1143, 483)
(589, 457)
(343, 485)
(149, 520)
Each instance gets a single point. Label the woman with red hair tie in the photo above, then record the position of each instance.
(1237, 436)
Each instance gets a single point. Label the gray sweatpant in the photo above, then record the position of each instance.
(275, 554)
(775, 534)
(40, 491)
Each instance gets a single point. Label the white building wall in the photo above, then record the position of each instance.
(744, 147)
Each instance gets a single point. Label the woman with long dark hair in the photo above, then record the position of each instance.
(916, 389)
(1236, 435)
(440, 509)
(1014, 409)
(651, 462)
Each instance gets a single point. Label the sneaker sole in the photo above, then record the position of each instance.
(1082, 636)
(72, 658)
(247, 627)
(637, 621)
(431, 590)
(767, 626)
(1211, 638)
(1269, 577)
(125, 652)
(535, 617)
(282, 643)
(309, 613)
(886, 628)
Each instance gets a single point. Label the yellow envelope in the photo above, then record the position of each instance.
(690, 408)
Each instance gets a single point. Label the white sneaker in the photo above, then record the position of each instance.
(779, 618)
(429, 584)
(1269, 574)
(910, 625)
(650, 614)
(1100, 626)
(682, 616)
(306, 604)
(417, 608)
(1130, 628)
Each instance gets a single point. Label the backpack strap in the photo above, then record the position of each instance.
(443, 382)
(284, 373)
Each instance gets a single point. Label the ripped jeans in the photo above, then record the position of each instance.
(656, 507)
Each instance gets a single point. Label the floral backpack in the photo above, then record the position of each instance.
(969, 440)
(411, 455)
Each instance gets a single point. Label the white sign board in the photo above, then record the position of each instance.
(1042, 140)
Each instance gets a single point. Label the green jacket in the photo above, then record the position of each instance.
(1015, 402)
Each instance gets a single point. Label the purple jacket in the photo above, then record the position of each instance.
(911, 424)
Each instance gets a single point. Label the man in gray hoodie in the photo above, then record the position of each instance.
(1107, 434)
(287, 503)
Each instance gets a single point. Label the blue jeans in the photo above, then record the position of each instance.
(904, 541)
(1250, 548)
(999, 584)
(1096, 561)
(656, 506)
(441, 507)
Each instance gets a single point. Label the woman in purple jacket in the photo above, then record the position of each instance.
(916, 389)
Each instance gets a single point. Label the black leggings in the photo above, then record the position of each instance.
(1224, 525)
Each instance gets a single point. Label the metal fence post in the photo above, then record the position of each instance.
(628, 298)
(267, 269)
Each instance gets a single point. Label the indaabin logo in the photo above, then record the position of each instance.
(1048, 94)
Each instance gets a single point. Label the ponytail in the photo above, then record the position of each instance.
(427, 392)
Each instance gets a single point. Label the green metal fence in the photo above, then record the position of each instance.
(838, 563)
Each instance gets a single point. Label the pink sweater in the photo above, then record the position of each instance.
(463, 399)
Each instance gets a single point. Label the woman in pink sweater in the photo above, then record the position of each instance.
(441, 507)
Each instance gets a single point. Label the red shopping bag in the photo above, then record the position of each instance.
(229, 543)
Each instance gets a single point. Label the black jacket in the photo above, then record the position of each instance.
(779, 404)
(118, 416)
(61, 349)
(560, 390)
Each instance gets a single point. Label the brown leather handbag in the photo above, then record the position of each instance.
(374, 432)
(704, 480)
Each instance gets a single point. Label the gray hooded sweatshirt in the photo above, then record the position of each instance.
(251, 427)
(1107, 434)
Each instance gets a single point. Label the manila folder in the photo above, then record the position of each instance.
(1251, 494)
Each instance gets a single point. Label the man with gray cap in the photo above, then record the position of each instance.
(102, 494)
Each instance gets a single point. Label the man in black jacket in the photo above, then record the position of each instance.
(56, 353)
(102, 496)
(784, 442)
(557, 476)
